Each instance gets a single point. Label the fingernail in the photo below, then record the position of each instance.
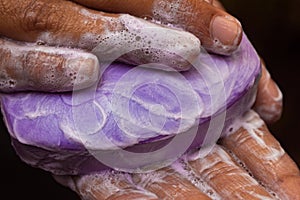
(226, 30)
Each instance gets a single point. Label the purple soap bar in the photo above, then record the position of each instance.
(133, 108)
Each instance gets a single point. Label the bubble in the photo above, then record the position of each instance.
(12, 83)
(182, 167)
(7, 83)
(141, 42)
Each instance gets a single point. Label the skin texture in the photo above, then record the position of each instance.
(193, 16)
(44, 16)
(244, 165)
(269, 98)
(265, 158)
(46, 68)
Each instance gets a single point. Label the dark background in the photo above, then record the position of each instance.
(273, 26)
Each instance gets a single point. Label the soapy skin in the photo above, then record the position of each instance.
(108, 36)
(45, 68)
(269, 98)
(232, 170)
(264, 156)
(196, 17)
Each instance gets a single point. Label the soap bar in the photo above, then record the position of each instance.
(133, 111)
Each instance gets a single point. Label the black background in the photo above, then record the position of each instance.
(273, 26)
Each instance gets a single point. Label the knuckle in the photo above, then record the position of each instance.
(40, 15)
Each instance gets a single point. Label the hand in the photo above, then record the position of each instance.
(267, 165)
(49, 25)
(176, 178)
(247, 164)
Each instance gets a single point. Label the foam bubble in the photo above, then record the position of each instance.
(182, 168)
(144, 42)
(32, 67)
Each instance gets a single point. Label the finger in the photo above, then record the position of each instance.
(218, 31)
(109, 36)
(168, 184)
(40, 68)
(262, 154)
(269, 98)
(226, 178)
(107, 185)
(111, 185)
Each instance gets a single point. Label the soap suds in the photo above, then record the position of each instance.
(244, 166)
(46, 68)
(109, 183)
(270, 110)
(209, 168)
(182, 168)
(252, 123)
(133, 40)
(147, 41)
(166, 11)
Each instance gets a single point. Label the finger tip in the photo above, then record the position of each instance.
(83, 71)
(226, 34)
(226, 29)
